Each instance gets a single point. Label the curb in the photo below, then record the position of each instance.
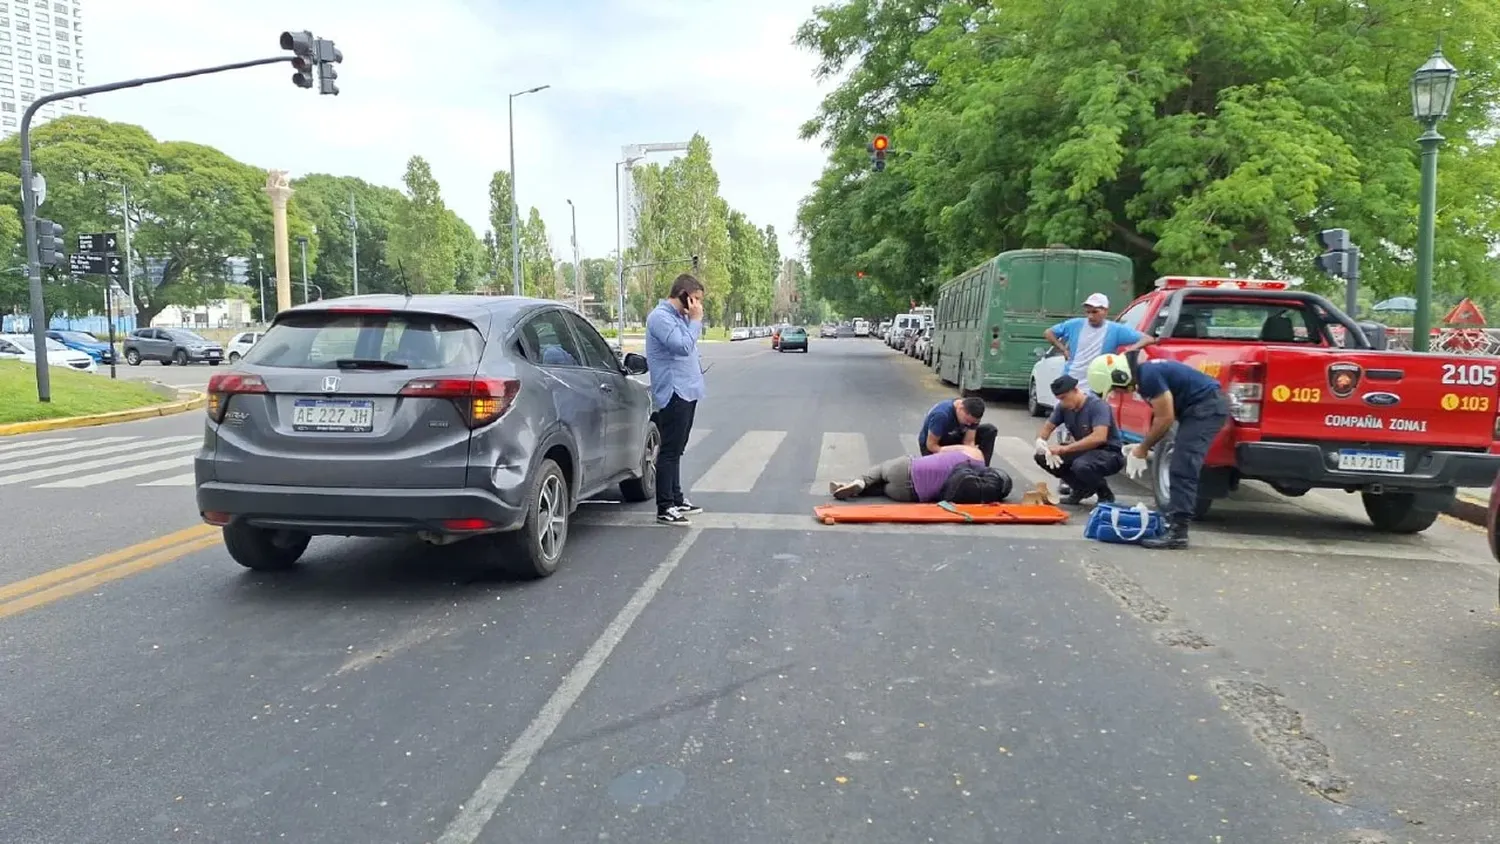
(1470, 510)
(43, 425)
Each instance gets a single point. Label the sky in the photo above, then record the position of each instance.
(431, 78)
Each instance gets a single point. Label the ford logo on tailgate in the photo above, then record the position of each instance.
(1381, 399)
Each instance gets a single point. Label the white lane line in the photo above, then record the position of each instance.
(176, 480)
(89, 466)
(481, 806)
(80, 450)
(34, 444)
(842, 457)
(741, 466)
(55, 446)
(121, 474)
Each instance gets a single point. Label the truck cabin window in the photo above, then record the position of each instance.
(1264, 322)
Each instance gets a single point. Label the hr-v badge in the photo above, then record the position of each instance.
(1343, 379)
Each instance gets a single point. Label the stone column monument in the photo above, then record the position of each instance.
(279, 188)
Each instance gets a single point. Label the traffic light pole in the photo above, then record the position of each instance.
(29, 203)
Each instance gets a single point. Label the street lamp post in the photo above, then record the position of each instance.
(1432, 88)
(577, 268)
(353, 242)
(630, 155)
(515, 228)
(302, 242)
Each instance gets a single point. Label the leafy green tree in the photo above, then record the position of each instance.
(323, 200)
(538, 265)
(471, 259)
(423, 242)
(499, 250)
(1195, 136)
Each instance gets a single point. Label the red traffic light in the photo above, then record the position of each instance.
(860, 274)
(881, 143)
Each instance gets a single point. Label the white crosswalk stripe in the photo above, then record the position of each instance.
(164, 447)
(176, 480)
(37, 448)
(152, 468)
(31, 444)
(65, 460)
(843, 457)
(739, 468)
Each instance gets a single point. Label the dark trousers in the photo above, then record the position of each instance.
(675, 422)
(984, 440)
(1086, 471)
(1197, 426)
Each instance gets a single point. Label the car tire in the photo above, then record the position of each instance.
(213, 363)
(536, 549)
(1033, 405)
(264, 550)
(643, 488)
(1393, 512)
(181, 358)
(132, 357)
(234, 358)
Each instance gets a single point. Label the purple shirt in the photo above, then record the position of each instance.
(929, 473)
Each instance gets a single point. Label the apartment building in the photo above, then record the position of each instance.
(41, 51)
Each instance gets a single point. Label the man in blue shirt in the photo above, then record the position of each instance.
(1081, 339)
(1177, 393)
(1095, 450)
(956, 422)
(672, 332)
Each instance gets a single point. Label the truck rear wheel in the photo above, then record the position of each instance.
(1158, 471)
(1396, 512)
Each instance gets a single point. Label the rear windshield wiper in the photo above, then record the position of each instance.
(367, 363)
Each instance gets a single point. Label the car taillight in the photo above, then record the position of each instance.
(1246, 390)
(226, 384)
(480, 400)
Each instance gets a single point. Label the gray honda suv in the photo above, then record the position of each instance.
(448, 417)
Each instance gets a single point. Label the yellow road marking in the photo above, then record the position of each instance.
(80, 577)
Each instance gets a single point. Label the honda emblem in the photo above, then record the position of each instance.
(331, 384)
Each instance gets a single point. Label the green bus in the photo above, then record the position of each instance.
(988, 329)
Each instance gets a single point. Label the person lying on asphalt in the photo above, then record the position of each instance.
(910, 479)
(1094, 453)
(957, 422)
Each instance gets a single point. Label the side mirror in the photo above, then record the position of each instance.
(635, 364)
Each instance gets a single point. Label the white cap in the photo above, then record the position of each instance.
(1096, 300)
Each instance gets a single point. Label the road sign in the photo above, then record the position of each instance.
(98, 242)
(84, 264)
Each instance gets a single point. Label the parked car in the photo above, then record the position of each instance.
(741, 333)
(449, 417)
(22, 347)
(82, 341)
(1049, 366)
(242, 343)
(793, 338)
(169, 346)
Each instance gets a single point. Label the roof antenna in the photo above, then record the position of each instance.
(401, 274)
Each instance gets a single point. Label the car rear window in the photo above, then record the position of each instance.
(319, 339)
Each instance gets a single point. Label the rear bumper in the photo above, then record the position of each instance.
(339, 511)
(1314, 465)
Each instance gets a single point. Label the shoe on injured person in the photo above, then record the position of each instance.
(845, 489)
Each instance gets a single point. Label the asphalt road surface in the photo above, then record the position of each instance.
(755, 678)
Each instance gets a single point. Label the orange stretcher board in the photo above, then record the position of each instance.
(943, 513)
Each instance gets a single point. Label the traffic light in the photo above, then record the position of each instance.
(877, 149)
(860, 274)
(328, 56)
(49, 245)
(1340, 257)
(695, 265)
(301, 44)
